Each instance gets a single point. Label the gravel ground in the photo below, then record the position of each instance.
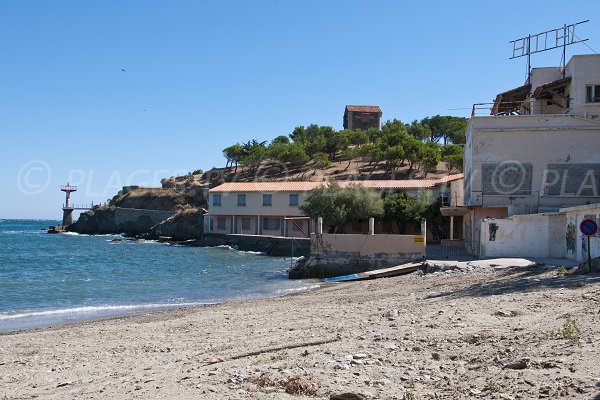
(490, 331)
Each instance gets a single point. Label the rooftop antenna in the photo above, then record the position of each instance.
(552, 39)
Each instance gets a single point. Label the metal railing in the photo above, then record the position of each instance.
(517, 108)
(453, 248)
(80, 206)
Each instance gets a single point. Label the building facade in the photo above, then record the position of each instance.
(272, 208)
(362, 117)
(539, 150)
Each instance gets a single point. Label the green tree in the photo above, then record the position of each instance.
(393, 156)
(339, 207)
(349, 154)
(298, 134)
(233, 154)
(406, 211)
(446, 128)
(453, 155)
(254, 154)
(321, 161)
(334, 142)
(357, 137)
(371, 153)
(374, 135)
(418, 130)
(314, 146)
(281, 139)
(294, 155)
(413, 149)
(430, 157)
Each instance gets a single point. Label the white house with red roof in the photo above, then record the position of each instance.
(272, 208)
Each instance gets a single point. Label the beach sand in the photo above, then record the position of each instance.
(484, 333)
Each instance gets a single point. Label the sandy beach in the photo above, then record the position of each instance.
(481, 332)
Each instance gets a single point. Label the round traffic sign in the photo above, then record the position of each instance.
(588, 227)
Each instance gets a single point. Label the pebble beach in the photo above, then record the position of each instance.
(515, 332)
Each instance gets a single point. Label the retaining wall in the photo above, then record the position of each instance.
(344, 254)
(271, 245)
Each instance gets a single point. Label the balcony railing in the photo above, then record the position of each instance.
(517, 108)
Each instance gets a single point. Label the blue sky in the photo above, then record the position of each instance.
(202, 75)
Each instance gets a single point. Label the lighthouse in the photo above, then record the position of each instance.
(67, 207)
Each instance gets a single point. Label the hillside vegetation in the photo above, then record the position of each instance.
(420, 149)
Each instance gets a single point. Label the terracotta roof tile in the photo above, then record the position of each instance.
(304, 186)
(374, 109)
(281, 186)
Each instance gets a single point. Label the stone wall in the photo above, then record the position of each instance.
(344, 254)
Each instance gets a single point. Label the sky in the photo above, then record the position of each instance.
(110, 93)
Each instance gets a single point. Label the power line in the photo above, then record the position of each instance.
(587, 45)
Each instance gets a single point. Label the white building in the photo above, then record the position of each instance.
(272, 208)
(539, 150)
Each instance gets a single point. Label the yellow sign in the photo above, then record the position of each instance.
(419, 239)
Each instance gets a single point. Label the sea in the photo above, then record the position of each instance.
(48, 279)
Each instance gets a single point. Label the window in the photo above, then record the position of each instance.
(246, 224)
(271, 224)
(221, 223)
(216, 200)
(293, 199)
(267, 199)
(445, 198)
(592, 94)
(241, 199)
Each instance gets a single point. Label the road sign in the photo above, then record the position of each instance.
(588, 227)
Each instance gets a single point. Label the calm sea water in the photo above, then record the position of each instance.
(46, 279)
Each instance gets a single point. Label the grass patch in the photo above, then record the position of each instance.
(408, 396)
(295, 385)
(492, 385)
(562, 271)
(570, 331)
(300, 386)
(279, 356)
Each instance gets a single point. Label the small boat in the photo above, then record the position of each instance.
(377, 273)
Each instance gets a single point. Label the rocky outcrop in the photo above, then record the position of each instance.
(117, 220)
(185, 225)
(159, 199)
(144, 212)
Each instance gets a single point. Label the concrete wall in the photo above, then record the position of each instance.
(472, 225)
(574, 241)
(366, 250)
(273, 246)
(538, 162)
(583, 70)
(533, 235)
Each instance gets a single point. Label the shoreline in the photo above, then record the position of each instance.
(445, 334)
(145, 313)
